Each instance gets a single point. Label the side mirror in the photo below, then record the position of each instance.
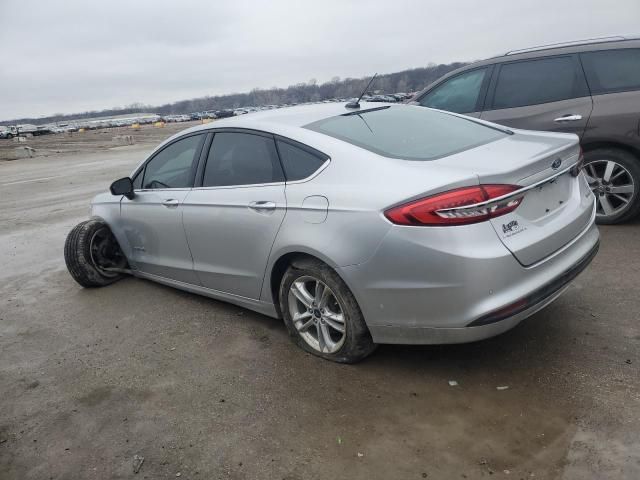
(123, 186)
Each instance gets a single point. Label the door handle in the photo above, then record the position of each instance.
(171, 203)
(572, 117)
(262, 206)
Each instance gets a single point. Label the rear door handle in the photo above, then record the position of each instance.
(572, 117)
(262, 206)
(171, 203)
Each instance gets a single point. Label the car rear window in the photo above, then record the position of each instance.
(407, 132)
(299, 162)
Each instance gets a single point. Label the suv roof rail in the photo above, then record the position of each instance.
(569, 44)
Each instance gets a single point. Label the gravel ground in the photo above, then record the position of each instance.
(90, 378)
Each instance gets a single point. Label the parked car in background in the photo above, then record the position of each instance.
(384, 223)
(6, 133)
(224, 113)
(590, 88)
(29, 129)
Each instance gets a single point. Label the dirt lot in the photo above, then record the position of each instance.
(90, 378)
(89, 141)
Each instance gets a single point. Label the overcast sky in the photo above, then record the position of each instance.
(69, 56)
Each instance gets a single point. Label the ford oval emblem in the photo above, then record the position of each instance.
(556, 164)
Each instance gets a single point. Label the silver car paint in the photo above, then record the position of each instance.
(152, 224)
(230, 240)
(403, 277)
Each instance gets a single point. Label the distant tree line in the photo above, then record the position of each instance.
(404, 81)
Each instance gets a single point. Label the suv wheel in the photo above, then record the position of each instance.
(614, 178)
(322, 314)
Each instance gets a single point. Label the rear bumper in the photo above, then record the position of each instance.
(456, 285)
(488, 326)
(539, 296)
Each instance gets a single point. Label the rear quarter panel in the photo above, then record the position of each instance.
(359, 186)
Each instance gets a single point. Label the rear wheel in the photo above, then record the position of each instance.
(614, 178)
(91, 252)
(322, 314)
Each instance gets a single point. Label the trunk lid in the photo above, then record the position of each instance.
(558, 205)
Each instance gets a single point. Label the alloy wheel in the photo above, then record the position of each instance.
(317, 314)
(612, 184)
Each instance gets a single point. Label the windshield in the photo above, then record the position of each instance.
(411, 133)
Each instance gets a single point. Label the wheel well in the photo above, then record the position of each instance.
(588, 147)
(279, 269)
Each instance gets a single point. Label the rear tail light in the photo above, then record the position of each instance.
(461, 206)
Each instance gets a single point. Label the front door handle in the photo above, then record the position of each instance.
(262, 206)
(171, 203)
(572, 117)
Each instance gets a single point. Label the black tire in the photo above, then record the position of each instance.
(78, 257)
(358, 343)
(632, 165)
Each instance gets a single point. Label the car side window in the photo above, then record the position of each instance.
(459, 94)
(241, 159)
(172, 167)
(299, 163)
(534, 82)
(611, 71)
(137, 180)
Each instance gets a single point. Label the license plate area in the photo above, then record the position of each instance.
(551, 215)
(546, 199)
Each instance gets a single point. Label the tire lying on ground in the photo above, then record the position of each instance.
(322, 315)
(90, 251)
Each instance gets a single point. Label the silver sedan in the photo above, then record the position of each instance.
(355, 224)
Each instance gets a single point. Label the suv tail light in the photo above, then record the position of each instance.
(461, 206)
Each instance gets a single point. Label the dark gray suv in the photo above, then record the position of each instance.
(590, 88)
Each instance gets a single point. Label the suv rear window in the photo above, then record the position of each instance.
(533, 82)
(612, 70)
(407, 132)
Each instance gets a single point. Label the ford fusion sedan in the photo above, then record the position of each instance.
(356, 226)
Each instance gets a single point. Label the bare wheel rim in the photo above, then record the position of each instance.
(317, 314)
(105, 252)
(612, 185)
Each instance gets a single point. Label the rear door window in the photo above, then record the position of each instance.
(299, 162)
(460, 94)
(241, 159)
(533, 82)
(611, 71)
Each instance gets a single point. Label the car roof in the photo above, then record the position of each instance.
(286, 118)
(287, 121)
(578, 46)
